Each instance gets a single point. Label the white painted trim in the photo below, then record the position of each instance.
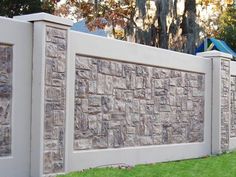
(90, 45)
(67, 130)
(136, 155)
(70, 105)
(38, 99)
(216, 105)
(45, 17)
(131, 52)
(214, 54)
(18, 164)
(229, 101)
(12, 20)
(232, 141)
(233, 68)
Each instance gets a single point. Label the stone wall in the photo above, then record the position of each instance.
(233, 107)
(225, 104)
(5, 99)
(122, 105)
(55, 90)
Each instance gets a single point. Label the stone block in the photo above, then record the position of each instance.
(145, 140)
(107, 103)
(131, 130)
(130, 140)
(128, 96)
(92, 122)
(84, 74)
(83, 63)
(55, 92)
(108, 87)
(116, 69)
(114, 124)
(128, 69)
(84, 105)
(5, 90)
(139, 82)
(148, 94)
(131, 81)
(92, 87)
(100, 142)
(4, 78)
(119, 82)
(58, 118)
(135, 106)
(104, 66)
(139, 105)
(51, 50)
(118, 138)
(119, 106)
(94, 100)
(100, 83)
(139, 93)
(58, 155)
(81, 88)
(94, 110)
(135, 118)
(82, 144)
(55, 32)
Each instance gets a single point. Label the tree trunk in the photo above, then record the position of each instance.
(162, 12)
(188, 26)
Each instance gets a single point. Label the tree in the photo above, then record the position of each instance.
(157, 23)
(143, 21)
(227, 27)
(188, 26)
(10, 8)
(162, 12)
(104, 13)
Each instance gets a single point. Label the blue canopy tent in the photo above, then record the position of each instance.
(215, 44)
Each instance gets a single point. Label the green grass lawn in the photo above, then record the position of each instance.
(215, 166)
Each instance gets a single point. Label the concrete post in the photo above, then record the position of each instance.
(50, 40)
(220, 100)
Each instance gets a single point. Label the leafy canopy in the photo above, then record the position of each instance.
(227, 27)
(10, 8)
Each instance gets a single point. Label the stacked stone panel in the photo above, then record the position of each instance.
(5, 99)
(233, 107)
(225, 101)
(124, 105)
(55, 90)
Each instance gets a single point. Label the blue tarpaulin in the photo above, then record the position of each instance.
(215, 44)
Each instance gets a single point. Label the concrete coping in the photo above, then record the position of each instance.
(214, 53)
(45, 17)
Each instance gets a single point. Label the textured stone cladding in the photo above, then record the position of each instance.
(5, 99)
(233, 107)
(55, 90)
(123, 105)
(225, 101)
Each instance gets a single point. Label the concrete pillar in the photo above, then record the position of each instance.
(220, 100)
(50, 41)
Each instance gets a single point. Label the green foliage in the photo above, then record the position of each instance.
(215, 166)
(10, 8)
(227, 27)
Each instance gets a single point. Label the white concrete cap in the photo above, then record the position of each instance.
(214, 53)
(45, 17)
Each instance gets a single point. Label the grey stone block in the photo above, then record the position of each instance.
(5, 99)
(137, 105)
